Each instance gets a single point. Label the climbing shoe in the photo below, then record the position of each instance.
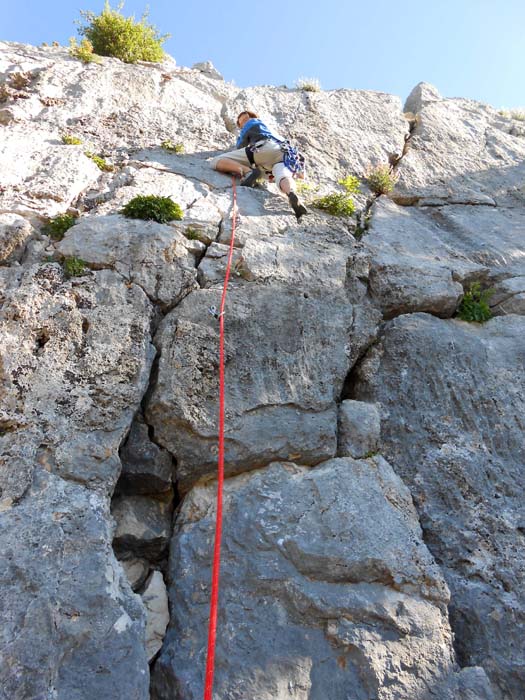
(252, 178)
(299, 208)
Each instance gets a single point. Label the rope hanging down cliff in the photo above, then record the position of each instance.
(212, 626)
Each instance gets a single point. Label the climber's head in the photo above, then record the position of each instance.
(244, 117)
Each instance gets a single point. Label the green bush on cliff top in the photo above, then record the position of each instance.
(112, 34)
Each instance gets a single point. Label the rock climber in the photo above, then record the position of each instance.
(259, 152)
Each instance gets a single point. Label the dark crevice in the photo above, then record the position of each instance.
(41, 340)
(349, 383)
(363, 218)
(202, 255)
(348, 391)
(415, 201)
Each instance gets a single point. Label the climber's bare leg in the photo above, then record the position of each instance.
(231, 167)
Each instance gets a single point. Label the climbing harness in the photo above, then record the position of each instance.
(212, 626)
(292, 159)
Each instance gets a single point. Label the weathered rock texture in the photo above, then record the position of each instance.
(75, 362)
(341, 340)
(452, 426)
(328, 590)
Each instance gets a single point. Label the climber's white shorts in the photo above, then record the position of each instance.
(269, 156)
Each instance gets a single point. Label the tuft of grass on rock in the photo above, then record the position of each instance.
(57, 226)
(100, 162)
(335, 203)
(19, 81)
(351, 184)
(74, 267)
(518, 114)
(305, 188)
(71, 140)
(381, 179)
(308, 84)
(83, 51)
(191, 233)
(113, 34)
(171, 147)
(474, 306)
(150, 207)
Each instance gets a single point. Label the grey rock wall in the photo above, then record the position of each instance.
(452, 426)
(392, 571)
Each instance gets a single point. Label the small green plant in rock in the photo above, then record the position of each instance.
(335, 203)
(171, 147)
(152, 208)
(112, 34)
(56, 227)
(474, 306)
(308, 84)
(70, 140)
(351, 184)
(83, 51)
(305, 188)
(192, 233)
(381, 179)
(100, 162)
(518, 114)
(74, 267)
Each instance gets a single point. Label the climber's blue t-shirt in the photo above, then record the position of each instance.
(257, 131)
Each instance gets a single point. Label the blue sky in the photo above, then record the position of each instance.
(467, 48)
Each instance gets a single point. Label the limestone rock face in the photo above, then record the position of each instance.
(461, 152)
(359, 429)
(297, 321)
(329, 582)
(154, 256)
(15, 232)
(422, 258)
(339, 341)
(283, 360)
(68, 393)
(142, 526)
(155, 599)
(70, 625)
(421, 95)
(452, 404)
(146, 468)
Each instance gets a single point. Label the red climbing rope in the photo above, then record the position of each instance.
(212, 627)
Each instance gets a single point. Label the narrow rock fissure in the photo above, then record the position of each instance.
(144, 503)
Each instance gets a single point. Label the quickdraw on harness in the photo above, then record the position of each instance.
(292, 159)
